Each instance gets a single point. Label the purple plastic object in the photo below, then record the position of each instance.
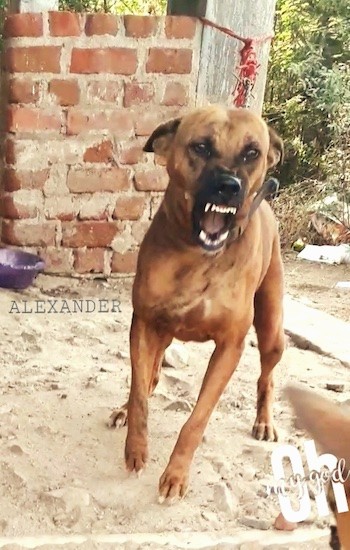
(18, 269)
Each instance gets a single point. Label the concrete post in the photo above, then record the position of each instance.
(32, 6)
(220, 54)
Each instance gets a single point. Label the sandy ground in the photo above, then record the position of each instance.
(314, 284)
(62, 469)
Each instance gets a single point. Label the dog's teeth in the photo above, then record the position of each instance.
(202, 235)
(233, 210)
(213, 208)
(223, 236)
(207, 206)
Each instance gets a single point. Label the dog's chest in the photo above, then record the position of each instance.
(195, 319)
(192, 302)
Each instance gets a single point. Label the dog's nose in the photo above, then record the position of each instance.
(230, 184)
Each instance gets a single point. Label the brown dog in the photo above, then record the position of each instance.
(207, 269)
(331, 429)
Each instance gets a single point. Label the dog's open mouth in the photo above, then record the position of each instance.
(215, 224)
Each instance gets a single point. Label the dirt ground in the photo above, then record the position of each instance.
(314, 284)
(62, 469)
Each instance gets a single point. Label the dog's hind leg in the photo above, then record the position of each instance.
(119, 416)
(268, 323)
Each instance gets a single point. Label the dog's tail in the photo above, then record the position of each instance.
(330, 427)
(323, 420)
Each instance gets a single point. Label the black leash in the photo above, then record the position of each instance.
(269, 187)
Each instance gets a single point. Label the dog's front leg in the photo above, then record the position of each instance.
(146, 351)
(223, 363)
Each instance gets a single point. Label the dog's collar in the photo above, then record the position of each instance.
(269, 187)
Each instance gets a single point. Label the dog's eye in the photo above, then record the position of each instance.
(202, 149)
(250, 154)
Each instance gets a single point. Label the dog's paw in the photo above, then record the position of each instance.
(118, 418)
(173, 485)
(136, 455)
(263, 431)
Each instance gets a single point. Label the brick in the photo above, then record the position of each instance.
(64, 23)
(124, 263)
(23, 24)
(129, 208)
(66, 92)
(89, 260)
(56, 150)
(60, 208)
(10, 151)
(136, 93)
(130, 154)
(175, 94)
(28, 233)
(95, 207)
(159, 160)
(180, 27)
(91, 180)
(120, 122)
(11, 208)
(103, 152)
(33, 59)
(104, 60)
(151, 180)
(147, 122)
(139, 26)
(107, 92)
(92, 234)
(13, 180)
(57, 260)
(101, 23)
(30, 119)
(169, 61)
(22, 90)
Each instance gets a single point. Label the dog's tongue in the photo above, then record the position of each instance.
(213, 222)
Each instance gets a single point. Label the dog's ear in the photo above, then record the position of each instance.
(275, 154)
(160, 141)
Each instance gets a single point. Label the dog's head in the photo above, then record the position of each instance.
(217, 158)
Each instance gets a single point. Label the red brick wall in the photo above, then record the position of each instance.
(82, 93)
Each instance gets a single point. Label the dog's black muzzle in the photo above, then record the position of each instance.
(217, 201)
(229, 188)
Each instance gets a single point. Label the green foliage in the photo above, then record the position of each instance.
(308, 92)
(146, 7)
